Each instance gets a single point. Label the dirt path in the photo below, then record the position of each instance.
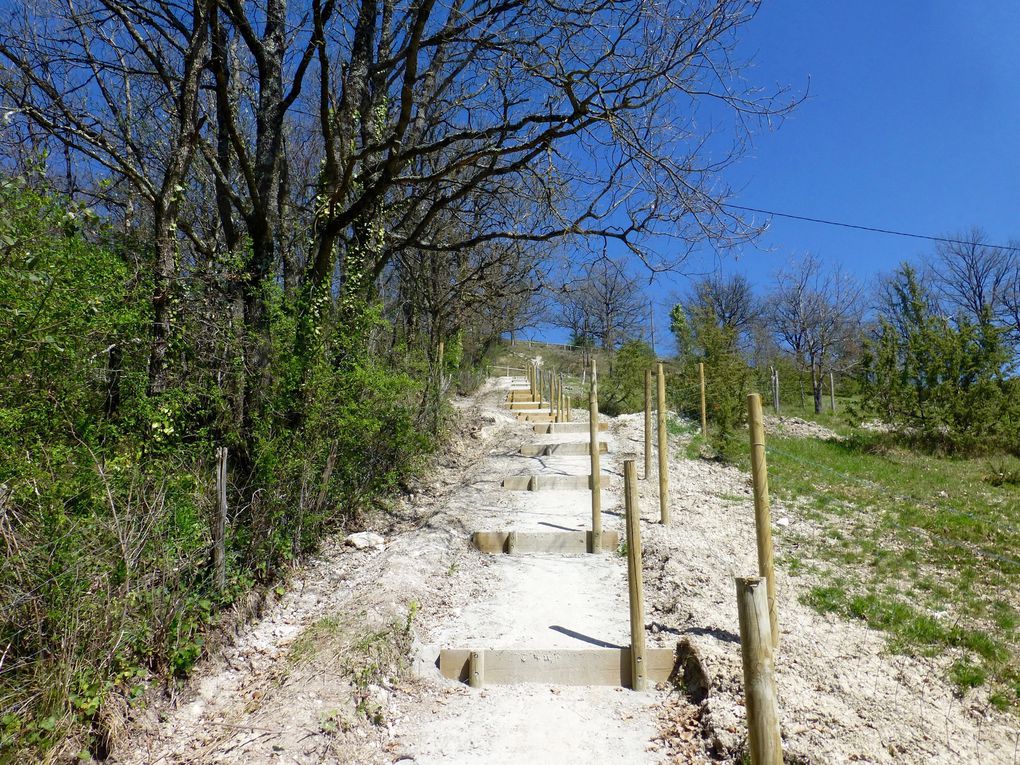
(533, 601)
(340, 669)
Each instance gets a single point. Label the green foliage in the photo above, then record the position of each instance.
(915, 544)
(106, 492)
(940, 379)
(622, 390)
(728, 377)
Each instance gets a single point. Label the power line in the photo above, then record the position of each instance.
(872, 229)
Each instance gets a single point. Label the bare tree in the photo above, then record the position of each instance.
(117, 84)
(974, 279)
(728, 301)
(815, 313)
(605, 305)
(315, 143)
(1011, 298)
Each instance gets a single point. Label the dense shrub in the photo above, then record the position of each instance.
(622, 390)
(106, 492)
(728, 377)
(942, 380)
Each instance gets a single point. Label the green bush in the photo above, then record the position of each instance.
(106, 492)
(728, 377)
(622, 390)
(940, 380)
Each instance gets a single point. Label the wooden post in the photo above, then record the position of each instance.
(762, 512)
(648, 422)
(634, 577)
(562, 401)
(704, 413)
(570, 408)
(758, 655)
(476, 669)
(832, 393)
(552, 390)
(439, 363)
(663, 448)
(596, 467)
(219, 530)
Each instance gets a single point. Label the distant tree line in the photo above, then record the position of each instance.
(932, 349)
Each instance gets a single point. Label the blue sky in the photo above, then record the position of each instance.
(912, 122)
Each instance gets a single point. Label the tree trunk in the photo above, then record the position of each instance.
(162, 290)
(816, 388)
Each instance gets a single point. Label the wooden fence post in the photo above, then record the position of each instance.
(704, 412)
(219, 530)
(663, 448)
(832, 392)
(476, 669)
(762, 512)
(570, 408)
(634, 578)
(596, 467)
(552, 391)
(648, 422)
(758, 656)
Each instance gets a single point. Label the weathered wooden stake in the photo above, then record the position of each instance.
(476, 669)
(562, 403)
(832, 393)
(762, 512)
(219, 530)
(648, 422)
(439, 364)
(570, 409)
(634, 577)
(704, 412)
(552, 391)
(663, 447)
(758, 654)
(596, 468)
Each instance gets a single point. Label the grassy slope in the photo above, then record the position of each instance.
(924, 547)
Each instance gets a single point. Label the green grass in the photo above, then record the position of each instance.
(925, 548)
